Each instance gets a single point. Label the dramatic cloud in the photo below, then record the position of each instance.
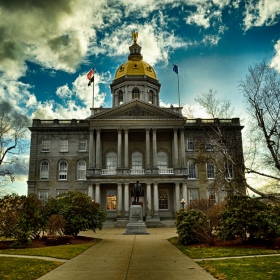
(276, 60)
(261, 12)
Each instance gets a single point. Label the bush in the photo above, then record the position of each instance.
(247, 218)
(78, 210)
(192, 227)
(56, 225)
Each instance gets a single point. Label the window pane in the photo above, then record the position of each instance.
(63, 170)
(44, 172)
(136, 160)
(162, 160)
(163, 199)
(43, 195)
(190, 145)
(111, 200)
(229, 170)
(193, 195)
(63, 145)
(111, 161)
(210, 170)
(81, 172)
(82, 145)
(45, 145)
(192, 169)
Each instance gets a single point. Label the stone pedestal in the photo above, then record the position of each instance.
(136, 224)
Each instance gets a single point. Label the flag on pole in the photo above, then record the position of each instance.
(175, 68)
(90, 76)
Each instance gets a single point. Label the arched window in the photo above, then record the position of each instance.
(62, 170)
(135, 93)
(81, 170)
(151, 97)
(192, 169)
(44, 170)
(111, 161)
(137, 160)
(120, 94)
(162, 160)
(210, 169)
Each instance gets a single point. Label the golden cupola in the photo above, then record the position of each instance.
(135, 79)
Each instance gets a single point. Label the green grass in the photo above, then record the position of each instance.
(61, 252)
(235, 269)
(248, 269)
(20, 268)
(197, 252)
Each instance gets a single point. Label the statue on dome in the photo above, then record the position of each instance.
(135, 36)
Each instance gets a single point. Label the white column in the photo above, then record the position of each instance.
(98, 149)
(97, 193)
(119, 201)
(183, 150)
(175, 148)
(126, 200)
(148, 148)
(119, 148)
(155, 148)
(91, 148)
(126, 148)
(155, 200)
(149, 199)
(90, 191)
(185, 194)
(177, 197)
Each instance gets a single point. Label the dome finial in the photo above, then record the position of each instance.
(135, 36)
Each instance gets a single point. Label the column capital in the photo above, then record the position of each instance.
(175, 129)
(147, 130)
(154, 129)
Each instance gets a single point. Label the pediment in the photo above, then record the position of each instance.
(137, 109)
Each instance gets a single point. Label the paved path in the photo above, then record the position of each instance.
(130, 257)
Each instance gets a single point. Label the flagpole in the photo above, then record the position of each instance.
(179, 90)
(93, 95)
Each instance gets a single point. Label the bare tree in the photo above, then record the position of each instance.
(13, 129)
(215, 107)
(261, 90)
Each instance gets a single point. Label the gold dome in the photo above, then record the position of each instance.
(136, 68)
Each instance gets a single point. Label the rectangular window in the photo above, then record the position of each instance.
(43, 195)
(210, 170)
(229, 170)
(190, 144)
(192, 170)
(45, 146)
(209, 147)
(111, 200)
(82, 145)
(81, 170)
(193, 195)
(58, 192)
(63, 145)
(44, 171)
(163, 199)
(212, 199)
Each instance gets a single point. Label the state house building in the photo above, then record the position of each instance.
(104, 154)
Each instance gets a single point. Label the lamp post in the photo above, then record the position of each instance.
(183, 203)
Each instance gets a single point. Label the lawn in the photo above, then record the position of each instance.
(61, 252)
(22, 268)
(234, 269)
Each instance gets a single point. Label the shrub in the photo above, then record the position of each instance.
(78, 210)
(192, 227)
(56, 225)
(245, 217)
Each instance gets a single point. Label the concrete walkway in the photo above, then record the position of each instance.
(130, 257)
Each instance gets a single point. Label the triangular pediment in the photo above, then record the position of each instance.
(137, 109)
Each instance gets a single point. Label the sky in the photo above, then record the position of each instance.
(47, 47)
